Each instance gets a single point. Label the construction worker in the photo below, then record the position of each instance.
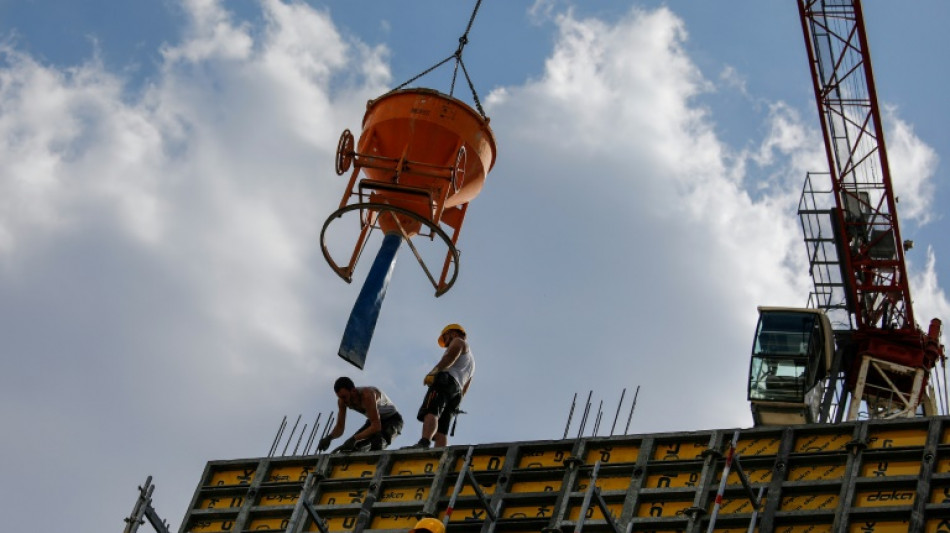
(429, 525)
(448, 382)
(383, 421)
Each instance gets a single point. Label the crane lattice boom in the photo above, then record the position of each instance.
(866, 234)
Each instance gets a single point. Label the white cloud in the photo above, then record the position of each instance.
(930, 299)
(212, 34)
(168, 238)
(913, 165)
(730, 77)
(642, 209)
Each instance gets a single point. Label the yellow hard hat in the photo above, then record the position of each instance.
(450, 327)
(428, 524)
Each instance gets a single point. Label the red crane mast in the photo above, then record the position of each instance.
(857, 259)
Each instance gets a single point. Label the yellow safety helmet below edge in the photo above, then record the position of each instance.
(450, 327)
(428, 524)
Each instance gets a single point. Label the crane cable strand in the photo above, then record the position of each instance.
(457, 55)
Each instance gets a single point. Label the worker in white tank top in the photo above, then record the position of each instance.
(448, 382)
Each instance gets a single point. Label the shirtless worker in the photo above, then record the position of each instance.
(383, 421)
(448, 382)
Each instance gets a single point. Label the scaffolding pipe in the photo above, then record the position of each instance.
(458, 486)
(722, 482)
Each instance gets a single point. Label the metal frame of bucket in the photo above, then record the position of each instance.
(369, 211)
(424, 155)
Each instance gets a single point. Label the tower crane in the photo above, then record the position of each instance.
(857, 343)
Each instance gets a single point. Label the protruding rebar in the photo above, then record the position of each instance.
(569, 416)
(328, 428)
(280, 430)
(299, 439)
(291, 436)
(632, 407)
(580, 431)
(622, 393)
(313, 435)
(600, 413)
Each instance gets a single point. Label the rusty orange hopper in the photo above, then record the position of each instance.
(421, 158)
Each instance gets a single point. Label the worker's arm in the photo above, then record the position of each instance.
(372, 414)
(465, 387)
(340, 426)
(455, 349)
(338, 429)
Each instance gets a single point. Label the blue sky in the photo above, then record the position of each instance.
(165, 168)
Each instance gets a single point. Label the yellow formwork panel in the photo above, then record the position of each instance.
(232, 476)
(809, 502)
(481, 463)
(945, 436)
(390, 520)
(211, 525)
(465, 514)
(608, 453)
(937, 525)
(804, 528)
(220, 502)
(663, 480)
(467, 489)
(342, 497)
(758, 446)
(279, 498)
(886, 468)
(737, 506)
(542, 510)
(823, 472)
(391, 494)
(754, 475)
(897, 438)
(884, 498)
(594, 512)
(335, 523)
(940, 495)
(353, 468)
(878, 526)
(287, 474)
(823, 442)
(606, 483)
(268, 524)
(414, 467)
(546, 485)
(679, 450)
(657, 509)
(551, 457)
(943, 465)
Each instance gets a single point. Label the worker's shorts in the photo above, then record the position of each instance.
(391, 428)
(442, 400)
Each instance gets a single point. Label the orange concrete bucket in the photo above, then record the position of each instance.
(422, 156)
(427, 131)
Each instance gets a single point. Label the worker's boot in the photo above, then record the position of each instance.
(423, 444)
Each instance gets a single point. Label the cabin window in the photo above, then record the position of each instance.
(785, 356)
